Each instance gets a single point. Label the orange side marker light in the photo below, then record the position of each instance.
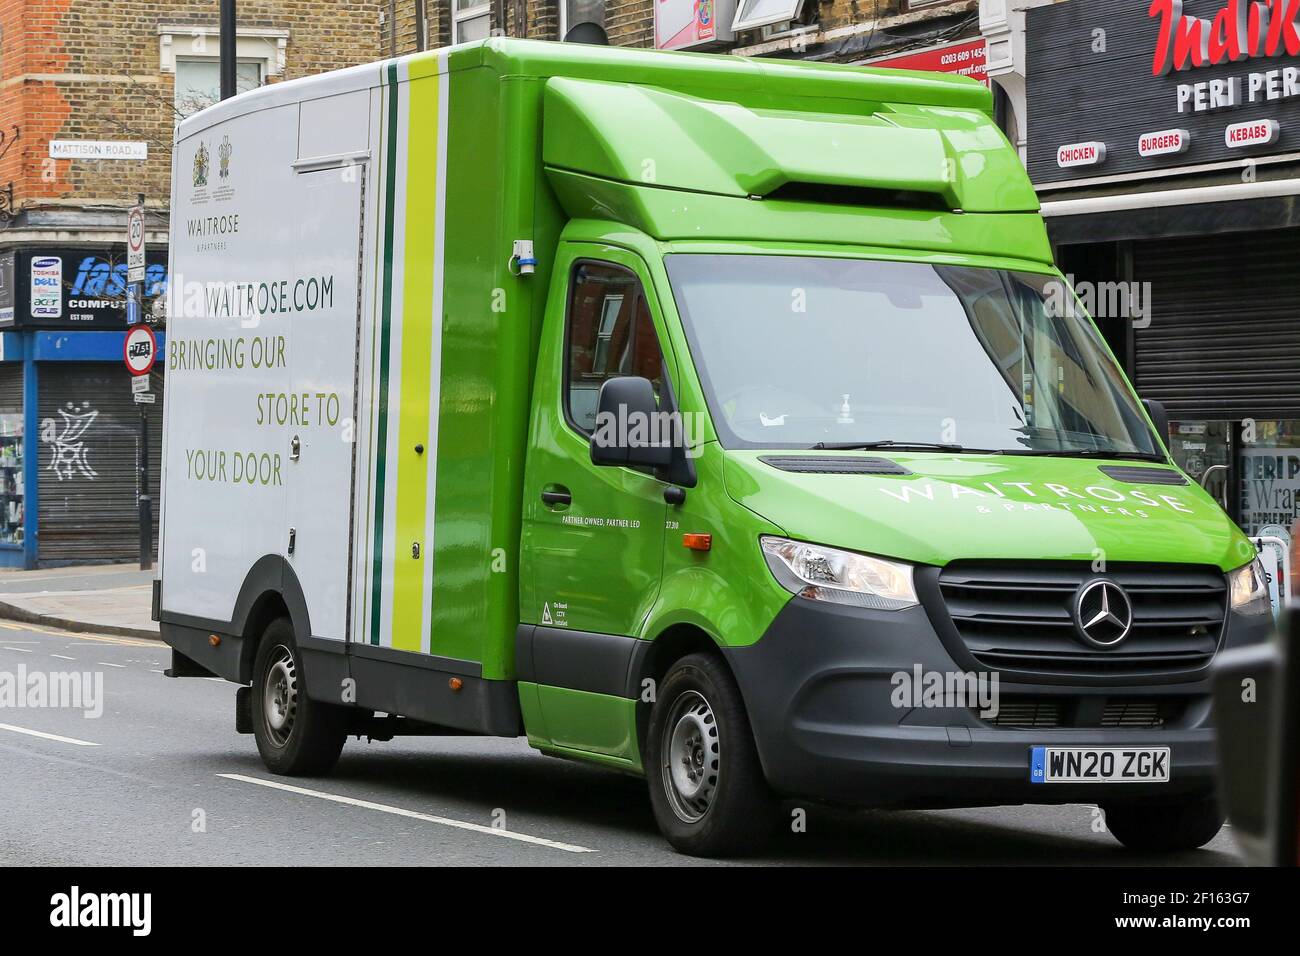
(697, 542)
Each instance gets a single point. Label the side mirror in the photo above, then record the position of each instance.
(1156, 411)
(630, 428)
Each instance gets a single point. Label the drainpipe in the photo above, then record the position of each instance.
(227, 42)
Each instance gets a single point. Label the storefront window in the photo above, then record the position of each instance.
(1270, 477)
(1204, 451)
(11, 479)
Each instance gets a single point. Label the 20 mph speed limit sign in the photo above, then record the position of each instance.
(139, 350)
(135, 244)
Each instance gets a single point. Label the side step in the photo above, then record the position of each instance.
(364, 723)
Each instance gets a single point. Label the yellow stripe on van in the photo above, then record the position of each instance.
(418, 324)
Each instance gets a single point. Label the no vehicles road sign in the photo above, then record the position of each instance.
(139, 350)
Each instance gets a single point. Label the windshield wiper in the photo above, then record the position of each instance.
(1087, 453)
(900, 445)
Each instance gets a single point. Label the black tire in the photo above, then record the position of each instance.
(295, 735)
(1165, 828)
(733, 810)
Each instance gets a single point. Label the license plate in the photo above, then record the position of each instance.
(1099, 765)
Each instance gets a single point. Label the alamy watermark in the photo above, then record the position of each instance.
(22, 689)
(1101, 300)
(919, 688)
(636, 429)
(75, 909)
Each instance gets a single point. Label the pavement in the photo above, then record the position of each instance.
(102, 599)
(159, 777)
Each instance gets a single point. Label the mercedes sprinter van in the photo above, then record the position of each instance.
(720, 421)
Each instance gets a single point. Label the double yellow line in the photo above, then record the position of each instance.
(103, 638)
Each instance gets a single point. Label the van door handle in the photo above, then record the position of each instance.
(555, 495)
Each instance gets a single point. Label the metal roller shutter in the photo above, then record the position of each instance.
(1224, 338)
(89, 427)
(11, 388)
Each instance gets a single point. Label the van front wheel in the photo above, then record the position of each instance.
(706, 785)
(295, 735)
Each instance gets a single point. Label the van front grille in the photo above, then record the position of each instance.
(1028, 712)
(1020, 617)
(1134, 713)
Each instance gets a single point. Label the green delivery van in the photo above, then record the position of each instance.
(723, 422)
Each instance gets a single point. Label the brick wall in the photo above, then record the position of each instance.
(541, 19)
(437, 25)
(630, 22)
(86, 70)
(31, 113)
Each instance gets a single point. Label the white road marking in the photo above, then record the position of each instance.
(45, 736)
(107, 664)
(399, 811)
(20, 650)
(63, 657)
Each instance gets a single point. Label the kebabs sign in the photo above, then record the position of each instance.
(1125, 86)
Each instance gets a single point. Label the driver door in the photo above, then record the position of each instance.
(593, 536)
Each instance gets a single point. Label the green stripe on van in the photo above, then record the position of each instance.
(385, 337)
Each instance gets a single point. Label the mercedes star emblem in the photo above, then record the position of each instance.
(1103, 613)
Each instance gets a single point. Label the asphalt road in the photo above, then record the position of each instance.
(161, 777)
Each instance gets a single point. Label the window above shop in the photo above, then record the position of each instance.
(192, 54)
(470, 20)
(198, 82)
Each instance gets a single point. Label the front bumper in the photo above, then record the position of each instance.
(831, 723)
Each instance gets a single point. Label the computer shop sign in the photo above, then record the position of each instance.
(64, 288)
(1130, 86)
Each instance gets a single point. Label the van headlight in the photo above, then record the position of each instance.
(841, 577)
(1250, 589)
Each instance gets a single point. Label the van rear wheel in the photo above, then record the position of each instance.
(1165, 828)
(706, 784)
(295, 735)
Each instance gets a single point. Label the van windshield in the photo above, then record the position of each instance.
(803, 352)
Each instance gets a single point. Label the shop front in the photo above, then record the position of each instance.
(1164, 141)
(71, 421)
